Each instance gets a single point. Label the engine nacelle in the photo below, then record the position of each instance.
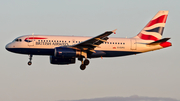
(61, 61)
(64, 52)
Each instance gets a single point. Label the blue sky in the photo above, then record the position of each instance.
(153, 74)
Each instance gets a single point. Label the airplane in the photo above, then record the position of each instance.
(65, 49)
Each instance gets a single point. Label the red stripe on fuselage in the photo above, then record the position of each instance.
(147, 37)
(161, 19)
(35, 38)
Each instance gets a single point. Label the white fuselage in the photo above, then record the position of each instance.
(45, 42)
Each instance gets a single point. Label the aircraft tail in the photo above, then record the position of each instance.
(154, 29)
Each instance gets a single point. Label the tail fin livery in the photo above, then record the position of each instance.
(154, 29)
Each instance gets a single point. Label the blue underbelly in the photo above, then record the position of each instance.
(98, 53)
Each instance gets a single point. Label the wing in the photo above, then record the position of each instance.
(90, 44)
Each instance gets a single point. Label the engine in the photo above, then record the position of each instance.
(64, 55)
(61, 61)
(64, 52)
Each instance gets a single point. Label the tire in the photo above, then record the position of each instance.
(86, 62)
(29, 63)
(83, 67)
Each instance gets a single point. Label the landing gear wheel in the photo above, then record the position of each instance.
(29, 63)
(83, 67)
(30, 58)
(86, 62)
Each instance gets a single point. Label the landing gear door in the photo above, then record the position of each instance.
(133, 44)
(31, 40)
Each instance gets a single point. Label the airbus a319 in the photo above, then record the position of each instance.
(65, 49)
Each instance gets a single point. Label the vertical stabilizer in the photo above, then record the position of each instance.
(154, 29)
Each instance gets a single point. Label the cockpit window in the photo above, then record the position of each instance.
(18, 40)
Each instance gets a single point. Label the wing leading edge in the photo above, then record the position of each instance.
(90, 44)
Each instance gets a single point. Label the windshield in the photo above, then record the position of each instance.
(18, 40)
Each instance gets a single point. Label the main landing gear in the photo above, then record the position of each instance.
(30, 58)
(85, 62)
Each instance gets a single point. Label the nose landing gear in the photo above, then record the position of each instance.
(30, 58)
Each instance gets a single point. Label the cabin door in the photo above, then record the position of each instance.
(31, 40)
(133, 44)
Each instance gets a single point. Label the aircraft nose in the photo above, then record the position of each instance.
(8, 47)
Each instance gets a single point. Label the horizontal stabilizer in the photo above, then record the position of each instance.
(159, 41)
